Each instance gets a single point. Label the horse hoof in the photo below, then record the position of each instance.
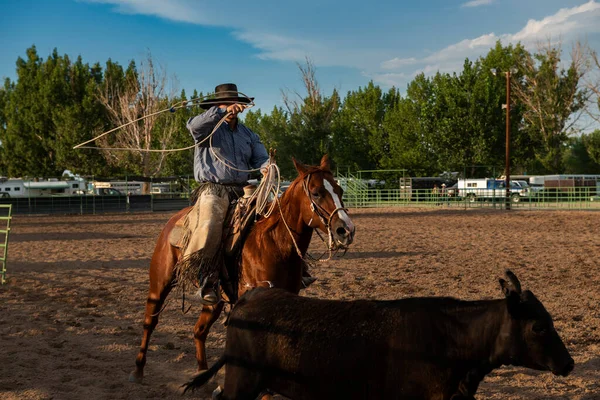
(217, 393)
(135, 377)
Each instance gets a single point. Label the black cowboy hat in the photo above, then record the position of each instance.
(227, 93)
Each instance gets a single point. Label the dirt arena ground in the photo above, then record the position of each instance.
(70, 317)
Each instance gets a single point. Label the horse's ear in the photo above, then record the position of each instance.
(301, 168)
(325, 163)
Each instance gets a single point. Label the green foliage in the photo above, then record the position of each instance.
(551, 98)
(181, 162)
(274, 133)
(46, 112)
(447, 122)
(582, 155)
(360, 125)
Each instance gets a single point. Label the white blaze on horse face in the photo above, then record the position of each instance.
(338, 204)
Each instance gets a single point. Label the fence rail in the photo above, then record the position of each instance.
(5, 218)
(574, 198)
(89, 204)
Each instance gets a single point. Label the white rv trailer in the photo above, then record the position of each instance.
(16, 187)
(124, 187)
(133, 187)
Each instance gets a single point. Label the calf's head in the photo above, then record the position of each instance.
(534, 342)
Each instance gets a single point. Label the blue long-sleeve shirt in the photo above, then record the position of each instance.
(240, 148)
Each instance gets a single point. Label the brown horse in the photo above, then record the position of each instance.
(270, 252)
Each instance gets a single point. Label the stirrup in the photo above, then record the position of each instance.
(209, 295)
(206, 298)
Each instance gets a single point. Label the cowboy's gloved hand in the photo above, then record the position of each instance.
(236, 109)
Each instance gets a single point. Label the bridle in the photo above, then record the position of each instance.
(325, 217)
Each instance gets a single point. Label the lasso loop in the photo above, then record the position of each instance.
(172, 109)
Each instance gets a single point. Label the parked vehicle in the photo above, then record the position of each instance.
(490, 188)
(17, 187)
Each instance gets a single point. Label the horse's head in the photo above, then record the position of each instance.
(322, 206)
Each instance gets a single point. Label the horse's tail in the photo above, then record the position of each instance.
(206, 375)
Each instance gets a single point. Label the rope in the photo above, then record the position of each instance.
(270, 185)
(173, 108)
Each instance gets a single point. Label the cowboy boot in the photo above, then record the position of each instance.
(307, 279)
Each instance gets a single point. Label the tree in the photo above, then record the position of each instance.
(128, 96)
(273, 130)
(78, 119)
(4, 95)
(553, 101)
(592, 83)
(49, 109)
(577, 158)
(310, 118)
(411, 123)
(360, 139)
(181, 162)
(592, 146)
(26, 137)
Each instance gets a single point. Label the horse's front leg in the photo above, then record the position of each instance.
(208, 317)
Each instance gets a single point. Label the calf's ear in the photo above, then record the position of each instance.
(506, 287)
(514, 280)
(512, 296)
(509, 289)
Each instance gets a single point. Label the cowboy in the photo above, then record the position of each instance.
(445, 194)
(221, 167)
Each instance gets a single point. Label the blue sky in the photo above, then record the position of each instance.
(257, 44)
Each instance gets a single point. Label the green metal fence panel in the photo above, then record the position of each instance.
(359, 195)
(5, 218)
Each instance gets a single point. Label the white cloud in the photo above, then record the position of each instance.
(174, 10)
(477, 3)
(585, 17)
(395, 63)
(278, 47)
(565, 24)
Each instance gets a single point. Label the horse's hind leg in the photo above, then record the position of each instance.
(208, 316)
(154, 303)
(162, 276)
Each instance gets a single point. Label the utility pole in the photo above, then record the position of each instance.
(507, 161)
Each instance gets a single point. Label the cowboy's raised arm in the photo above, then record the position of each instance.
(202, 125)
(260, 157)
